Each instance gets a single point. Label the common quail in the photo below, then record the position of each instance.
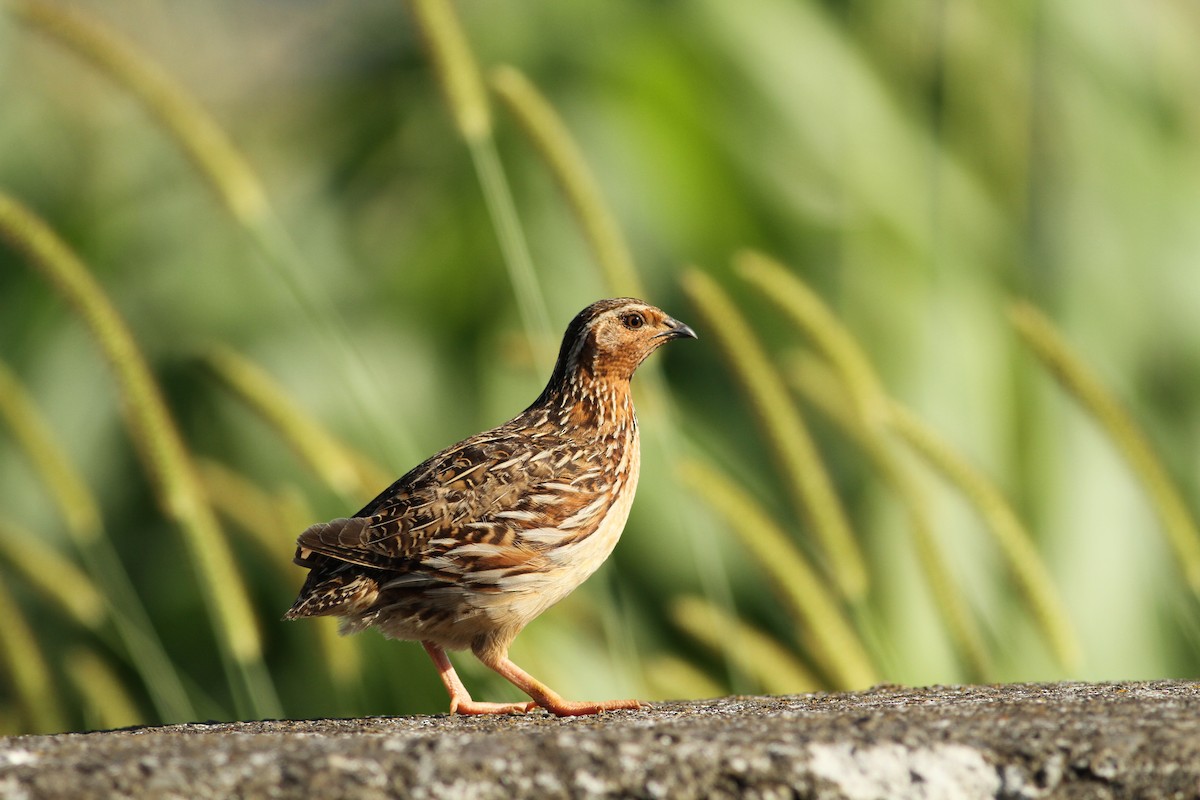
(468, 547)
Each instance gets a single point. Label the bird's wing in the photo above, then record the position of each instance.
(493, 501)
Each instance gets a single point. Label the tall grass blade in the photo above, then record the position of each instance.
(32, 684)
(817, 383)
(455, 65)
(201, 139)
(81, 513)
(272, 521)
(33, 435)
(84, 525)
(346, 472)
(1040, 335)
(835, 646)
(758, 655)
(784, 431)
(52, 576)
(463, 89)
(857, 388)
(107, 703)
(1016, 545)
(805, 308)
(503, 211)
(162, 450)
(550, 137)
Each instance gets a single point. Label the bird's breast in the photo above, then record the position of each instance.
(590, 534)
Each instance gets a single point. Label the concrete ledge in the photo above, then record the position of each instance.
(1056, 740)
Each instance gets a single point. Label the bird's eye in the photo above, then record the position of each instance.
(633, 320)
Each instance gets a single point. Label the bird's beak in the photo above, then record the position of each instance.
(676, 330)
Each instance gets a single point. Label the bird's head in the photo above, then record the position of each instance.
(610, 338)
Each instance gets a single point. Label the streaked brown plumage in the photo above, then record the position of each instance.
(468, 547)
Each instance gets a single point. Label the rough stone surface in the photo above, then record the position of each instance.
(1022, 741)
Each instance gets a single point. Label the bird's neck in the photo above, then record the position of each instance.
(602, 404)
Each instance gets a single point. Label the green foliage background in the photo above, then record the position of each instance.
(919, 166)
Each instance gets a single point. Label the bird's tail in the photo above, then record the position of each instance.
(334, 596)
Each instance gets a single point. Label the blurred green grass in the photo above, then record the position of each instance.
(917, 165)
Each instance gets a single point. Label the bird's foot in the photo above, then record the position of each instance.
(471, 707)
(542, 695)
(573, 708)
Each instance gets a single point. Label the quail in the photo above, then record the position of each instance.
(471, 545)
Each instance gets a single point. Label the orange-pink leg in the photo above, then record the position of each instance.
(460, 698)
(544, 696)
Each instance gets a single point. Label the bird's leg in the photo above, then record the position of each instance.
(460, 698)
(542, 694)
